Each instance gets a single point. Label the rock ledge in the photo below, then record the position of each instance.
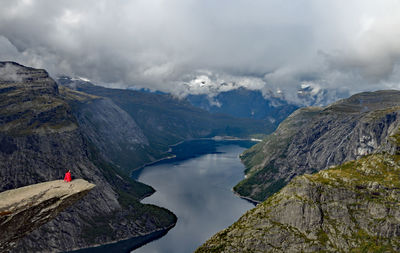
(25, 209)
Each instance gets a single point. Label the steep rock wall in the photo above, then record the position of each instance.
(312, 139)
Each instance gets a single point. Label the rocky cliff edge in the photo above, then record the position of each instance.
(353, 207)
(24, 209)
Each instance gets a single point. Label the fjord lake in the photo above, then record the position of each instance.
(197, 186)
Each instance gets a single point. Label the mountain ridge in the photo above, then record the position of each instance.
(351, 207)
(314, 138)
(166, 120)
(40, 138)
(245, 103)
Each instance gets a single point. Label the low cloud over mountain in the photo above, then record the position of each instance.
(193, 46)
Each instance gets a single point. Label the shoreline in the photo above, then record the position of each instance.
(162, 232)
(132, 243)
(253, 201)
(228, 138)
(153, 162)
(215, 138)
(158, 160)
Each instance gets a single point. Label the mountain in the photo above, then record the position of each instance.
(245, 103)
(166, 120)
(268, 104)
(351, 207)
(41, 136)
(310, 94)
(315, 138)
(111, 130)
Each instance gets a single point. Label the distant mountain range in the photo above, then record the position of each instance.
(244, 103)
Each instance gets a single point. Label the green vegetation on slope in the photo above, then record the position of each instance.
(312, 139)
(261, 164)
(166, 120)
(353, 207)
(130, 192)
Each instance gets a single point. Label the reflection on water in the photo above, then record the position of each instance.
(198, 191)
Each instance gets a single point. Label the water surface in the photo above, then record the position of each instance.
(198, 191)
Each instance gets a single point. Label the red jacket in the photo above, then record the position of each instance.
(67, 177)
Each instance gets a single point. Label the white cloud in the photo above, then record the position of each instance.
(167, 45)
(9, 72)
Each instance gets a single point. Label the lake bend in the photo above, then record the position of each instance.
(197, 187)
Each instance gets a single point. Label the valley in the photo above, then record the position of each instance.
(199, 126)
(350, 205)
(101, 137)
(185, 158)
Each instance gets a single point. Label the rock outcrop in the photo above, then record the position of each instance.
(115, 133)
(315, 138)
(24, 209)
(40, 138)
(350, 208)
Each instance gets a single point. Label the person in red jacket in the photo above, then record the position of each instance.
(67, 177)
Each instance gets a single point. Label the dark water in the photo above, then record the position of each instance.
(196, 186)
(123, 246)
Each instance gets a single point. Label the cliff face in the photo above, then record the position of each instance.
(350, 208)
(166, 120)
(25, 209)
(315, 138)
(353, 207)
(40, 139)
(115, 133)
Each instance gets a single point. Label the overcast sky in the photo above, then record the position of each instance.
(189, 45)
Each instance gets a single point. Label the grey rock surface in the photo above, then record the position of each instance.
(315, 138)
(40, 138)
(350, 208)
(24, 209)
(114, 132)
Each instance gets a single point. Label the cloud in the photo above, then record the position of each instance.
(9, 73)
(176, 45)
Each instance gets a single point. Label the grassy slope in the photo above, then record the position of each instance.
(260, 160)
(372, 180)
